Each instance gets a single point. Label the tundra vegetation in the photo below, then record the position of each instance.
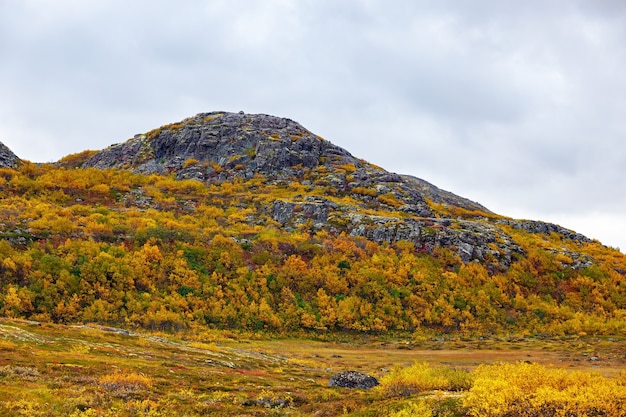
(207, 285)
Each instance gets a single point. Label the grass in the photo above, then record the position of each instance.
(53, 370)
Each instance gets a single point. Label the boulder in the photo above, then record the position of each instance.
(353, 379)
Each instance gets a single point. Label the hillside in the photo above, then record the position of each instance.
(251, 222)
(369, 201)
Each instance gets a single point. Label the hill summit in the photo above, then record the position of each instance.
(218, 146)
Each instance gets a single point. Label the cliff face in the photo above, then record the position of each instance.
(344, 193)
(7, 158)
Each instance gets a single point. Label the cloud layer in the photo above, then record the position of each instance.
(518, 105)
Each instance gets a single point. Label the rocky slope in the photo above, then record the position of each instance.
(218, 146)
(377, 204)
(7, 158)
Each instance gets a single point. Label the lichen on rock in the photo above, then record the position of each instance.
(353, 379)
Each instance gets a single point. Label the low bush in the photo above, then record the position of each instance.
(414, 409)
(124, 385)
(525, 390)
(421, 377)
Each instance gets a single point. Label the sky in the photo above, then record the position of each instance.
(519, 105)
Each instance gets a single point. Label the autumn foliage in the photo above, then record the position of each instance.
(521, 390)
(421, 377)
(152, 252)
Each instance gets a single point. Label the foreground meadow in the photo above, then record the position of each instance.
(89, 370)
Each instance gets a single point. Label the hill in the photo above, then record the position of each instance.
(252, 222)
(377, 204)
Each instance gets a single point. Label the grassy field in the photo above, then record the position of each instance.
(51, 370)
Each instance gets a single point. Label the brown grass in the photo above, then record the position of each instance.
(90, 371)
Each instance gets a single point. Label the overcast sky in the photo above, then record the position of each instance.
(519, 105)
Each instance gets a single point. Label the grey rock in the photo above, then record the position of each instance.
(471, 240)
(439, 196)
(219, 146)
(539, 227)
(298, 212)
(7, 158)
(353, 379)
(223, 141)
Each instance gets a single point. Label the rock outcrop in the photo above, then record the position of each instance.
(218, 146)
(215, 146)
(440, 196)
(353, 379)
(360, 199)
(7, 158)
(534, 226)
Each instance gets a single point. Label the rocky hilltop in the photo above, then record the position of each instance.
(218, 146)
(7, 158)
(226, 144)
(385, 207)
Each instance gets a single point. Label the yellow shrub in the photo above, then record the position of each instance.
(349, 168)
(124, 384)
(212, 347)
(102, 189)
(24, 408)
(524, 389)
(216, 167)
(79, 348)
(390, 199)
(414, 409)
(190, 162)
(7, 345)
(421, 377)
(364, 191)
